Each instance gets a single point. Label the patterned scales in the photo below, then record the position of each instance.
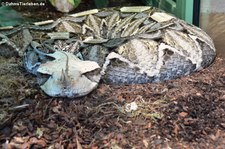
(125, 45)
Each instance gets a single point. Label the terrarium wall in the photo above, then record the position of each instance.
(212, 20)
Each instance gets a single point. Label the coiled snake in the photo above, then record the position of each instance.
(125, 45)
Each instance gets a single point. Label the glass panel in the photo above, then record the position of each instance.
(182, 8)
(212, 20)
(168, 5)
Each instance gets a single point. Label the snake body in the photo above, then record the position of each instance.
(129, 44)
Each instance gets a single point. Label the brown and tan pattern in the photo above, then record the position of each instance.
(118, 45)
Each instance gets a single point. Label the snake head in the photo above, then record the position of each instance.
(60, 73)
(69, 76)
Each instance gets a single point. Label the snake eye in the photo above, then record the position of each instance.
(56, 48)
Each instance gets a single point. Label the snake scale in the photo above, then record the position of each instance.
(127, 45)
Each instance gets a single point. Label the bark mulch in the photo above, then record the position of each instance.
(187, 112)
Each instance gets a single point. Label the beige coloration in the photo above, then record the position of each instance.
(63, 5)
(44, 22)
(67, 75)
(59, 35)
(143, 53)
(84, 13)
(161, 17)
(68, 27)
(135, 9)
(6, 27)
(200, 34)
(114, 55)
(184, 45)
(130, 44)
(97, 41)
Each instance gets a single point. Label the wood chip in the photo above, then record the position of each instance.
(183, 114)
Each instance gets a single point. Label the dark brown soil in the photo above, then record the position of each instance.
(184, 113)
(188, 112)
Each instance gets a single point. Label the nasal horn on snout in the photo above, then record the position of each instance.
(64, 79)
(64, 74)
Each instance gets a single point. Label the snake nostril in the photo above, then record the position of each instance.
(169, 52)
